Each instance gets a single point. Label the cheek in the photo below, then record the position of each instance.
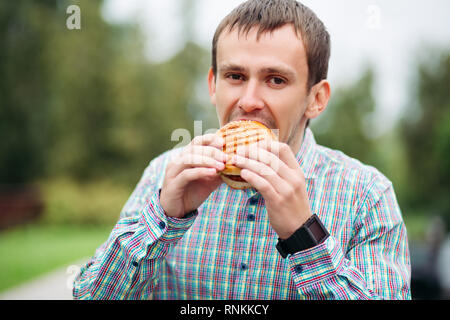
(288, 111)
(225, 100)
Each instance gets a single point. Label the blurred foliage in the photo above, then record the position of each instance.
(344, 124)
(348, 123)
(414, 155)
(86, 103)
(24, 90)
(83, 203)
(426, 134)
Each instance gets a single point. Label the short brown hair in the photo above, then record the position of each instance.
(270, 15)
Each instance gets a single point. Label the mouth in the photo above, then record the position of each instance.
(257, 120)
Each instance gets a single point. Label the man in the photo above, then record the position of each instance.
(320, 226)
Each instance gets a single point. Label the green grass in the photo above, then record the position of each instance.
(77, 219)
(29, 251)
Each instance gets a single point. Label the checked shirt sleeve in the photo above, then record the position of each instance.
(375, 265)
(127, 265)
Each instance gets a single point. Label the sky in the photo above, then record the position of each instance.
(388, 34)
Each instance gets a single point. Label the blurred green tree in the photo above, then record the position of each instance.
(24, 90)
(426, 133)
(345, 124)
(87, 103)
(114, 110)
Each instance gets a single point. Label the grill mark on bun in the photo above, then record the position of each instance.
(240, 133)
(236, 138)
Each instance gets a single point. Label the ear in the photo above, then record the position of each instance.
(319, 97)
(212, 86)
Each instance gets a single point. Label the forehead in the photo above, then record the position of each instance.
(280, 46)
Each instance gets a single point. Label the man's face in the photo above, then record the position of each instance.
(263, 80)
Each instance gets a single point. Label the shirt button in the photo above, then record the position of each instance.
(251, 217)
(162, 224)
(254, 201)
(244, 266)
(298, 268)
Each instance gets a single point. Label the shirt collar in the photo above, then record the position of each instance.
(306, 156)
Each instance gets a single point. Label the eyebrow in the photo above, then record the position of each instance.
(278, 70)
(231, 67)
(267, 70)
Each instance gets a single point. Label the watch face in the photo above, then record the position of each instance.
(318, 230)
(307, 236)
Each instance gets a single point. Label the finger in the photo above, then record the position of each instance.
(207, 151)
(263, 171)
(192, 174)
(262, 155)
(210, 139)
(281, 186)
(282, 151)
(263, 186)
(196, 155)
(191, 160)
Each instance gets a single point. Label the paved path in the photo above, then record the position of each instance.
(56, 285)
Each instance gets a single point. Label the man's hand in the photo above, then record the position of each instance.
(272, 169)
(193, 175)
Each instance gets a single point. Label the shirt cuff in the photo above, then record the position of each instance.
(316, 264)
(160, 226)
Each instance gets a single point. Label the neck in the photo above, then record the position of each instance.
(296, 138)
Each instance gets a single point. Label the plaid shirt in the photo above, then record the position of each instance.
(227, 250)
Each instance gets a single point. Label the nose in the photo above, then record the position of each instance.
(251, 98)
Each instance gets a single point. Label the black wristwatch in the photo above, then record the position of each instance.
(309, 235)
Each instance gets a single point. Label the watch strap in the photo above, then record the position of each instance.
(309, 235)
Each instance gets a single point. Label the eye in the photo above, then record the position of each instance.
(277, 81)
(235, 77)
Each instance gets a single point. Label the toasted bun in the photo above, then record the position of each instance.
(235, 184)
(240, 133)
